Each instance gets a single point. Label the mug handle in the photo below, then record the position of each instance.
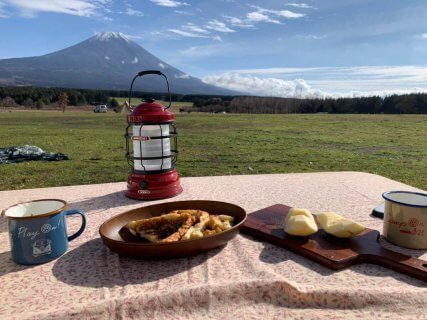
(83, 226)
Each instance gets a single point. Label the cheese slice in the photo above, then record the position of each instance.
(339, 226)
(300, 222)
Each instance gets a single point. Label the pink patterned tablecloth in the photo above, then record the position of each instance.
(247, 279)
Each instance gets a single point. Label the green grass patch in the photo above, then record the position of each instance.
(388, 145)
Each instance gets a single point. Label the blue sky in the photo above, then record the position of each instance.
(269, 47)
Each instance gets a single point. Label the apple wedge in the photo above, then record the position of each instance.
(338, 226)
(300, 222)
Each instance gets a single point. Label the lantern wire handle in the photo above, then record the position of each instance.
(143, 73)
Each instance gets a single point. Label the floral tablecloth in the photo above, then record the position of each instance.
(247, 279)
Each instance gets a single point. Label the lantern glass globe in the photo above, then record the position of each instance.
(147, 147)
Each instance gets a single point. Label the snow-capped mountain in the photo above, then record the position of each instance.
(107, 60)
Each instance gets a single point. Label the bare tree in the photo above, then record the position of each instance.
(8, 102)
(39, 104)
(29, 103)
(63, 101)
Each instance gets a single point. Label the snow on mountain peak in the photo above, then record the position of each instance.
(107, 36)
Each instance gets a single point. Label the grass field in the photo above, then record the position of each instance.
(390, 145)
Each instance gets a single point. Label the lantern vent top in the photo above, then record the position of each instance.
(151, 112)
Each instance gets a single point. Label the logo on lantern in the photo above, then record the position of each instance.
(140, 138)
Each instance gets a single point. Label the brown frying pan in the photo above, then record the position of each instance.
(120, 240)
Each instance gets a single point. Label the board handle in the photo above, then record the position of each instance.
(408, 265)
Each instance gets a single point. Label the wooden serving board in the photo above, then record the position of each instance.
(334, 253)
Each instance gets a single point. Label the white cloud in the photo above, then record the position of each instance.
(424, 35)
(277, 71)
(263, 86)
(194, 31)
(133, 12)
(309, 36)
(188, 34)
(2, 12)
(289, 14)
(237, 22)
(219, 26)
(133, 37)
(191, 30)
(84, 8)
(260, 17)
(107, 58)
(182, 76)
(186, 13)
(194, 28)
(209, 50)
(263, 14)
(170, 3)
(325, 81)
(300, 5)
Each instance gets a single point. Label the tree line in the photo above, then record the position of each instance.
(415, 103)
(34, 97)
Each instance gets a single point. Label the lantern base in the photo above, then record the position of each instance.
(153, 186)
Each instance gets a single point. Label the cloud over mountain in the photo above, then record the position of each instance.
(264, 86)
(325, 81)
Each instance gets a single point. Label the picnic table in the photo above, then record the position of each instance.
(247, 279)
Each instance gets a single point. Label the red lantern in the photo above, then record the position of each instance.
(153, 136)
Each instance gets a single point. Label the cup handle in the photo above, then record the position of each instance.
(83, 226)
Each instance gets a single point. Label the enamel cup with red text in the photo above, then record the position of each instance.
(405, 219)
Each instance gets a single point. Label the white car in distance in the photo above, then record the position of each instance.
(101, 108)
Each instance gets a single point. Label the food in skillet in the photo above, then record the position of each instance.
(180, 225)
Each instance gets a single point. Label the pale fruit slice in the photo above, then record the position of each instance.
(298, 212)
(300, 222)
(339, 226)
(300, 226)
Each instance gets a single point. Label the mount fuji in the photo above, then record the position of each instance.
(108, 60)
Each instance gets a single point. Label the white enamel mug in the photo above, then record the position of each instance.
(405, 219)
